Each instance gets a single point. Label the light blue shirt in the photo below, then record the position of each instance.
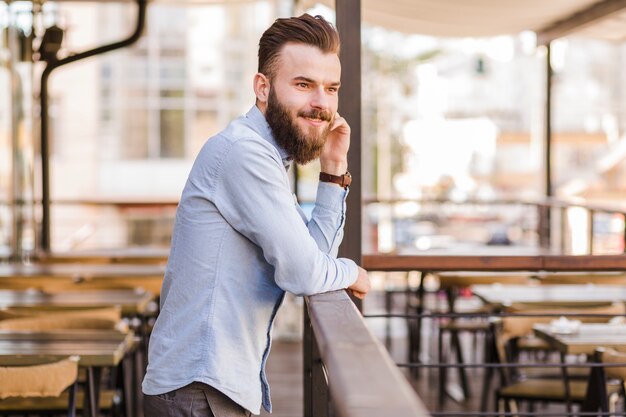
(240, 241)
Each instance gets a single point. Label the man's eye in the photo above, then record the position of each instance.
(333, 89)
(303, 85)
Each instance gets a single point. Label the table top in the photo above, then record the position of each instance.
(94, 347)
(80, 271)
(136, 255)
(572, 294)
(466, 278)
(588, 337)
(432, 261)
(132, 302)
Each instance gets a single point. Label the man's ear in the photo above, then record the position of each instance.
(261, 87)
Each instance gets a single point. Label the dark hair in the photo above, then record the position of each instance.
(306, 29)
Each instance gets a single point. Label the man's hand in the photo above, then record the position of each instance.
(334, 156)
(361, 286)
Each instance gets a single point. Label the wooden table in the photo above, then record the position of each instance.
(96, 349)
(572, 295)
(588, 337)
(132, 255)
(62, 277)
(132, 302)
(586, 340)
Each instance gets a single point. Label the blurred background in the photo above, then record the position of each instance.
(452, 138)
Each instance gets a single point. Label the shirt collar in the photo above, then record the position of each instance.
(263, 128)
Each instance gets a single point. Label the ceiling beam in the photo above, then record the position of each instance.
(594, 13)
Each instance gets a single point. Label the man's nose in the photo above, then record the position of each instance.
(319, 99)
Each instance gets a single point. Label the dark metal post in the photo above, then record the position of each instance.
(548, 123)
(590, 230)
(51, 66)
(348, 16)
(545, 215)
(316, 396)
(307, 353)
(624, 238)
(563, 234)
(296, 178)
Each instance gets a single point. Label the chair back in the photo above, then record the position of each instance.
(612, 356)
(45, 380)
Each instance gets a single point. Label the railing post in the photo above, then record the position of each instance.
(564, 229)
(543, 225)
(316, 397)
(624, 238)
(591, 230)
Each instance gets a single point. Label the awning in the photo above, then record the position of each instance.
(455, 18)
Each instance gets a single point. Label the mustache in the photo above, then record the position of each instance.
(317, 114)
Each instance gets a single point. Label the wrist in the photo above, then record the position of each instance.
(334, 167)
(342, 180)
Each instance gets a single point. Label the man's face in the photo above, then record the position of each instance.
(303, 100)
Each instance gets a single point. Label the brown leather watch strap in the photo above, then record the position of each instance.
(344, 180)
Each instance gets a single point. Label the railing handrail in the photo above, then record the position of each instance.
(539, 202)
(452, 262)
(363, 380)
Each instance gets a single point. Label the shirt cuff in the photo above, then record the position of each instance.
(331, 196)
(353, 272)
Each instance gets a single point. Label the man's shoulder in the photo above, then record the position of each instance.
(238, 139)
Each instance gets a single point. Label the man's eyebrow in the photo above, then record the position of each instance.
(305, 79)
(311, 81)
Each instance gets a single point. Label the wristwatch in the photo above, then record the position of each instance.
(344, 180)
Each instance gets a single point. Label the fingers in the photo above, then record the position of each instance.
(361, 286)
(338, 121)
(357, 294)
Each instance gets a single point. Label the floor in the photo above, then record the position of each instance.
(284, 371)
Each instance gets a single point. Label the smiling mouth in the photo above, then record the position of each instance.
(315, 120)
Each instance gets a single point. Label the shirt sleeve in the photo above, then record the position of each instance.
(252, 193)
(328, 217)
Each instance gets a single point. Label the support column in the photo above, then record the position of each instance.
(348, 14)
(22, 190)
(544, 211)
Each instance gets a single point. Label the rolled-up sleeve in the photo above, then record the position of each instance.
(254, 197)
(328, 217)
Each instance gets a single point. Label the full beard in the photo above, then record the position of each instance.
(301, 146)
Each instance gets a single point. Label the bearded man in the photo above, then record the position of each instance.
(240, 240)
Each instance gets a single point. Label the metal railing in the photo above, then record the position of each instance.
(347, 372)
(546, 223)
(594, 402)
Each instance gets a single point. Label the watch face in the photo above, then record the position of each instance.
(346, 179)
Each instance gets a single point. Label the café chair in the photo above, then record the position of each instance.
(539, 385)
(599, 396)
(517, 332)
(109, 318)
(455, 328)
(44, 388)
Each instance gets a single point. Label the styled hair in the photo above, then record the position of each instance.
(306, 29)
